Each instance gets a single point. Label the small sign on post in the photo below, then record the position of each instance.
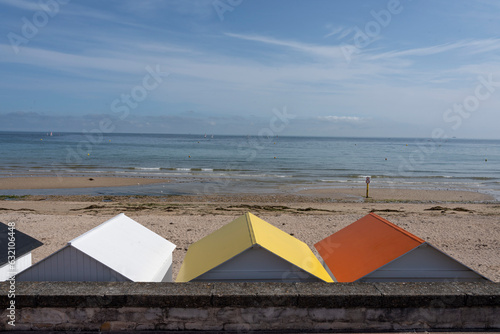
(368, 179)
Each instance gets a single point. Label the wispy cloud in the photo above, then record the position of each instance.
(470, 46)
(333, 31)
(425, 51)
(195, 8)
(484, 46)
(332, 52)
(21, 4)
(89, 13)
(339, 32)
(333, 118)
(344, 33)
(62, 60)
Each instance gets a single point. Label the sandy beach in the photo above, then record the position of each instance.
(464, 224)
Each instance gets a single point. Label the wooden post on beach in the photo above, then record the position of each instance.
(367, 185)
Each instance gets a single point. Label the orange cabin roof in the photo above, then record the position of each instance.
(364, 246)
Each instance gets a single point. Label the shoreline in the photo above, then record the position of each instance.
(60, 187)
(401, 194)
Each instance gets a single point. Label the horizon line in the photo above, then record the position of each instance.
(248, 135)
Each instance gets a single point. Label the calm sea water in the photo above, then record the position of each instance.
(229, 164)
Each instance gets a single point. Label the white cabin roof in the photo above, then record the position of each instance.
(127, 247)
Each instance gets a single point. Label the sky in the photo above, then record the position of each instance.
(389, 68)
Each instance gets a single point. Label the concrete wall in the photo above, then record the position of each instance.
(317, 307)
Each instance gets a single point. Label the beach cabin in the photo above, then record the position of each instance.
(119, 249)
(373, 249)
(21, 248)
(251, 250)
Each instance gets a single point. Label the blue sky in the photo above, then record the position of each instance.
(408, 68)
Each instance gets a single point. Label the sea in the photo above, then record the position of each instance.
(223, 164)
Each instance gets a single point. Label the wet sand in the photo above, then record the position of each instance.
(334, 194)
(10, 183)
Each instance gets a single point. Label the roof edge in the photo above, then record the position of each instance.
(48, 256)
(451, 257)
(76, 249)
(387, 263)
(102, 263)
(83, 235)
(396, 227)
(248, 217)
(203, 273)
(329, 280)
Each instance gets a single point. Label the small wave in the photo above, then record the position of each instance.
(491, 183)
(147, 168)
(93, 171)
(262, 175)
(421, 177)
(202, 169)
(231, 170)
(335, 181)
(186, 169)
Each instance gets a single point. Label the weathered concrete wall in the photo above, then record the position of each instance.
(252, 306)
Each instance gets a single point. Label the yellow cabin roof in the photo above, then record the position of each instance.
(238, 236)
